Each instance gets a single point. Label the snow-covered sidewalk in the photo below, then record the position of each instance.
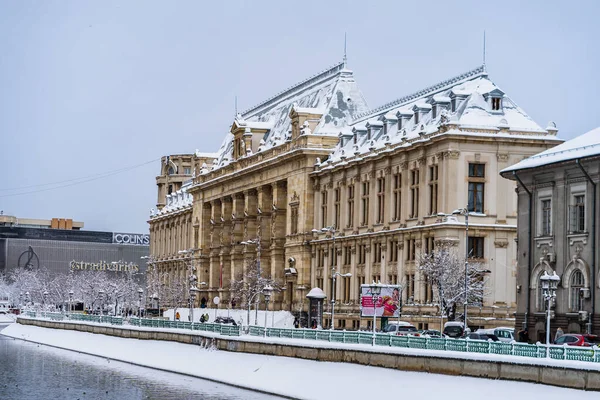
(290, 377)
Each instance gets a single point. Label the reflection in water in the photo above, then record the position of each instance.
(32, 371)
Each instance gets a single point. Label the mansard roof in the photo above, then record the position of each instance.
(583, 146)
(472, 113)
(176, 201)
(332, 92)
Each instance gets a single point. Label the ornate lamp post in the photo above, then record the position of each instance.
(101, 296)
(267, 291)
(140, 292)
(70, 301)
(375, 289)
(549, 285)
(45, 294)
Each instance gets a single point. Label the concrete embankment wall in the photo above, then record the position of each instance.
(558, 376)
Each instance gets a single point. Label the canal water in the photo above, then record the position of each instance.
(37, 372)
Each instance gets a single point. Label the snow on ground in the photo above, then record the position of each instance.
(7, 318)
(292, 377)
(277, 319)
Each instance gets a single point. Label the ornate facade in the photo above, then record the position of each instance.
(315, 156)
(558, 231)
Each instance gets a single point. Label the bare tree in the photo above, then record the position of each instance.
(445, 270)
(248, 286)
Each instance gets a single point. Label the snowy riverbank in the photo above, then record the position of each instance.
(285, 376)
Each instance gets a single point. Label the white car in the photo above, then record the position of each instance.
(400, 328)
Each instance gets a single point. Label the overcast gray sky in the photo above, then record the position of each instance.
(88, 87)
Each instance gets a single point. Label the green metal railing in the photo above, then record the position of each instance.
(589, 354)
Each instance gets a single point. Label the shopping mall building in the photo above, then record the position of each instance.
(61, 245)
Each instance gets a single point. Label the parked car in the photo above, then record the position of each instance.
(454, 329)
(593, 339)
(503, 334)
(401, 328)
(432, 333)
(225, 320)
(483, 336)
(572, 339)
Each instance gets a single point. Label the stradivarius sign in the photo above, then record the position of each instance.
(131, 238)
(104, 266)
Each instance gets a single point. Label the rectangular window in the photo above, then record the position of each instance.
(320, 283)
(376, 278)
(414, 193)
(362, 251)
(337, 208)
(428, 290)
(577, 214)
(361, 281)
(187, 170)
(433, 189)
(410, 288)
(347, 255)
(365, 203)
(294, 219)
(324, 208)
(350, 206)
(434, 111)
(380, 199)
(393, 251)
(429, 245)
(475, 247)
(397, 196)
(546, 217)
(476, 187)
(453, 105)
(416, 117)
(496, 102)
(410, 249)
(346, 290)
(321, 258)
(377, 253)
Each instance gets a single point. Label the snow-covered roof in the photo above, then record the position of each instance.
(176, 201)
(332, 92)
(586, 145)
(473, 113)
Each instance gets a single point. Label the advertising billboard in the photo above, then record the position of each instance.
(386, 304)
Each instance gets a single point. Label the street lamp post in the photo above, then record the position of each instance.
(267, 291)
(334, 272)
(465, 212)
(549, 285)
(301, 289)
(375, 292)
(101, 295)
(45, 294)
(140, 292)
(70, 301)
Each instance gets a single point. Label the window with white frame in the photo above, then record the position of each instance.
(577, 210)
(546, 217)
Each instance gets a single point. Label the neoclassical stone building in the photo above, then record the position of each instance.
(316, 156)
(558, 208)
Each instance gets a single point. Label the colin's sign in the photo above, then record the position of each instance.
(131, 238)
(104, 266)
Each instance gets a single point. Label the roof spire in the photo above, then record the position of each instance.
(345, 55)
(484, 50)
(236, 112)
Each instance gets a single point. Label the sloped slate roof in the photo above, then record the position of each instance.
(333, 92)
(586, 145)
(474, 112)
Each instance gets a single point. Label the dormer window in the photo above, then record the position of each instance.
(434, 111)
(355, 138)
(416, 118)
(496, 103)
(453, 104)
(399, 124)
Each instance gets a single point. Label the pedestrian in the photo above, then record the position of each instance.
(296, 323)
(206, 317)
(177, 316)
(202, 318)
(559, 333)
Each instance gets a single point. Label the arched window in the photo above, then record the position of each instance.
(171, 171)
(576, 284)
